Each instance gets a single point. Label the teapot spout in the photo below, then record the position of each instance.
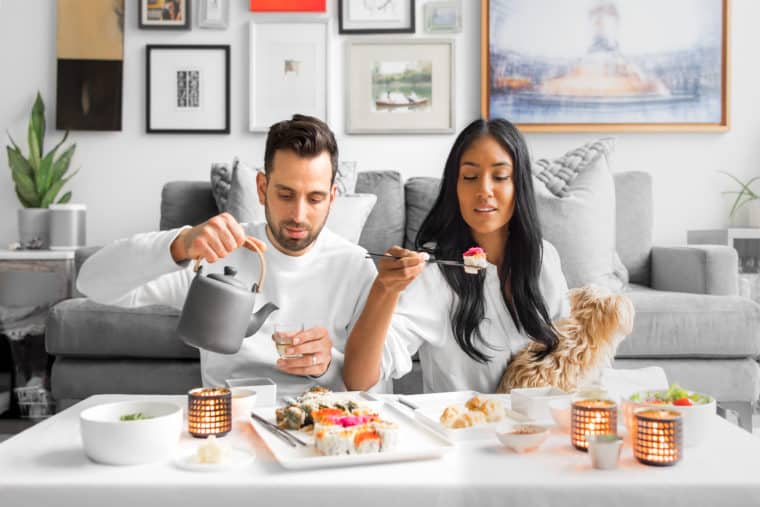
(258, 318)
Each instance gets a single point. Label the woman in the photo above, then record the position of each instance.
(465, 327)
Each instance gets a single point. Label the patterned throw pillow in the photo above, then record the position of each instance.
(575, 198)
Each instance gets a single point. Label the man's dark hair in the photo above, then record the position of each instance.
(306, 136)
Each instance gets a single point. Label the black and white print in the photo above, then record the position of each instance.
(188, 89)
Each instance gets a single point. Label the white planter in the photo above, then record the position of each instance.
(34, 227)
(753, 213)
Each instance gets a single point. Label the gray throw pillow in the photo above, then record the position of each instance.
(575, 198)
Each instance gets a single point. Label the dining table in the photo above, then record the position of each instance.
(46, 465)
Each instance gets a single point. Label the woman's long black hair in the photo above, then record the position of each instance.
(445, 234)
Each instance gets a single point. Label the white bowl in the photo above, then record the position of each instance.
(523, 442)
(111, 441)
(561, 411)
(697, 419)
(534, 401)
(265, 389)
(243, 401)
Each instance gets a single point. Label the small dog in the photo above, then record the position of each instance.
(599, 321)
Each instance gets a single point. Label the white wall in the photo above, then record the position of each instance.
(122, 172)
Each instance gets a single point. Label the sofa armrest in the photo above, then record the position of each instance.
(699, 269)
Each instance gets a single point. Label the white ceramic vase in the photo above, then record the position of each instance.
(33, 228)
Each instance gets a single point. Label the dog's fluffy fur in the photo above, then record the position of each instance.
(588, 339)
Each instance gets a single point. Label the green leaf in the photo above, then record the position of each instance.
(52, 192)
(34, 148)
(37, 121)
(46, 174)
(62, 164)
(66, 198)
(23, 201)
(17, 162)
(23, 176)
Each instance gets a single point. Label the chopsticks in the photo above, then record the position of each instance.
(371, 255)
(280, 433)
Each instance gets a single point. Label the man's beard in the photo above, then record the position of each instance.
(292, 244)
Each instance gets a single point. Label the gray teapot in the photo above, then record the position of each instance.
(216, 315)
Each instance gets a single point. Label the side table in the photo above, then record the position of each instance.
(22, 320)
(746, 242)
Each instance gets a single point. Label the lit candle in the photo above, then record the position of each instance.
(209, 412)
(658, 437)
(592, 417)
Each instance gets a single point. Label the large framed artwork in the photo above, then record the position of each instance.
(187, 89)
(165, 14)
(400, 86)
(90, 63)
(288, 68)
(375, 17)
(606, 65)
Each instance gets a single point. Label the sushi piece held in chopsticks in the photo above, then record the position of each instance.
(474, 260)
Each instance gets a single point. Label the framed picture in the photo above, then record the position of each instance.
(374, 17)
(400, 87)
(443, 17)
(214, 14)
(187, 89)
(165, 14)
(288, 68)
(627, 65)
(287, 5)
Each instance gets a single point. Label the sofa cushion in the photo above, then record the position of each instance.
(575, 199)
(81, 327)
(349, 214)
(681, 325)
(420, 194)
(634, 222)
(186, 203)
(385, 225)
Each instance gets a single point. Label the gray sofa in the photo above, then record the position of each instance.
(689, 319)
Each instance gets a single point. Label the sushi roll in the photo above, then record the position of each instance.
(334, 440)
(388, 432)
(366, 440)
(474, 260)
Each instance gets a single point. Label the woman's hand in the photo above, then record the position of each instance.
(212, 240)
(395, 275)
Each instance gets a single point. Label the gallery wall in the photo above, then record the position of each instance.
(122, 172)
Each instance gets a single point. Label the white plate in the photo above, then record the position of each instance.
(416, 442)
(235, 458)
(431, 406)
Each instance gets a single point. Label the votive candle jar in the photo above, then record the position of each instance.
(209, 412)
(658, 437)
(591, 417)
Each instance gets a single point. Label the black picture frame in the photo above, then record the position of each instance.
(374, 31)
(149, 49)
(186, 24)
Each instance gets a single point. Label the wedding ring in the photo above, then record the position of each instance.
(313, 359)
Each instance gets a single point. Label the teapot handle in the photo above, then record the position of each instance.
(262, 263)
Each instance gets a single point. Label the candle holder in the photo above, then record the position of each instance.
(591, 417)
(209, 412)
(658, 437)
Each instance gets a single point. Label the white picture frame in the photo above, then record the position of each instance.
(402, 86)
(443, 17)
(214, 14)
(288, 70)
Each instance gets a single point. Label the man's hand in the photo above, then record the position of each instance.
(212, 240)
(395, 275)
(315, 346)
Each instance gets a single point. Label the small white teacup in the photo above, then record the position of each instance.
(243, 401)
(604, 450)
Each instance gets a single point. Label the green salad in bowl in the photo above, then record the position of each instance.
(674, 395)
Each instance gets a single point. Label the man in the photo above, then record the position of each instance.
(316, 278)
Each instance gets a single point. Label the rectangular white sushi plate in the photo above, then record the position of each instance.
(415, 442)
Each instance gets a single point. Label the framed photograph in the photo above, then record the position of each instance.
(628, 65)
(187, 89)
(165, 14)
(443, 17)
(288, 68)
(400, 87)
(375, 17)
(214, 14)
(287, 5)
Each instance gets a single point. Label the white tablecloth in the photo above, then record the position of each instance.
(45, 465)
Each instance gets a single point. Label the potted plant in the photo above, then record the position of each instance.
(38, 178)
(745, 196)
